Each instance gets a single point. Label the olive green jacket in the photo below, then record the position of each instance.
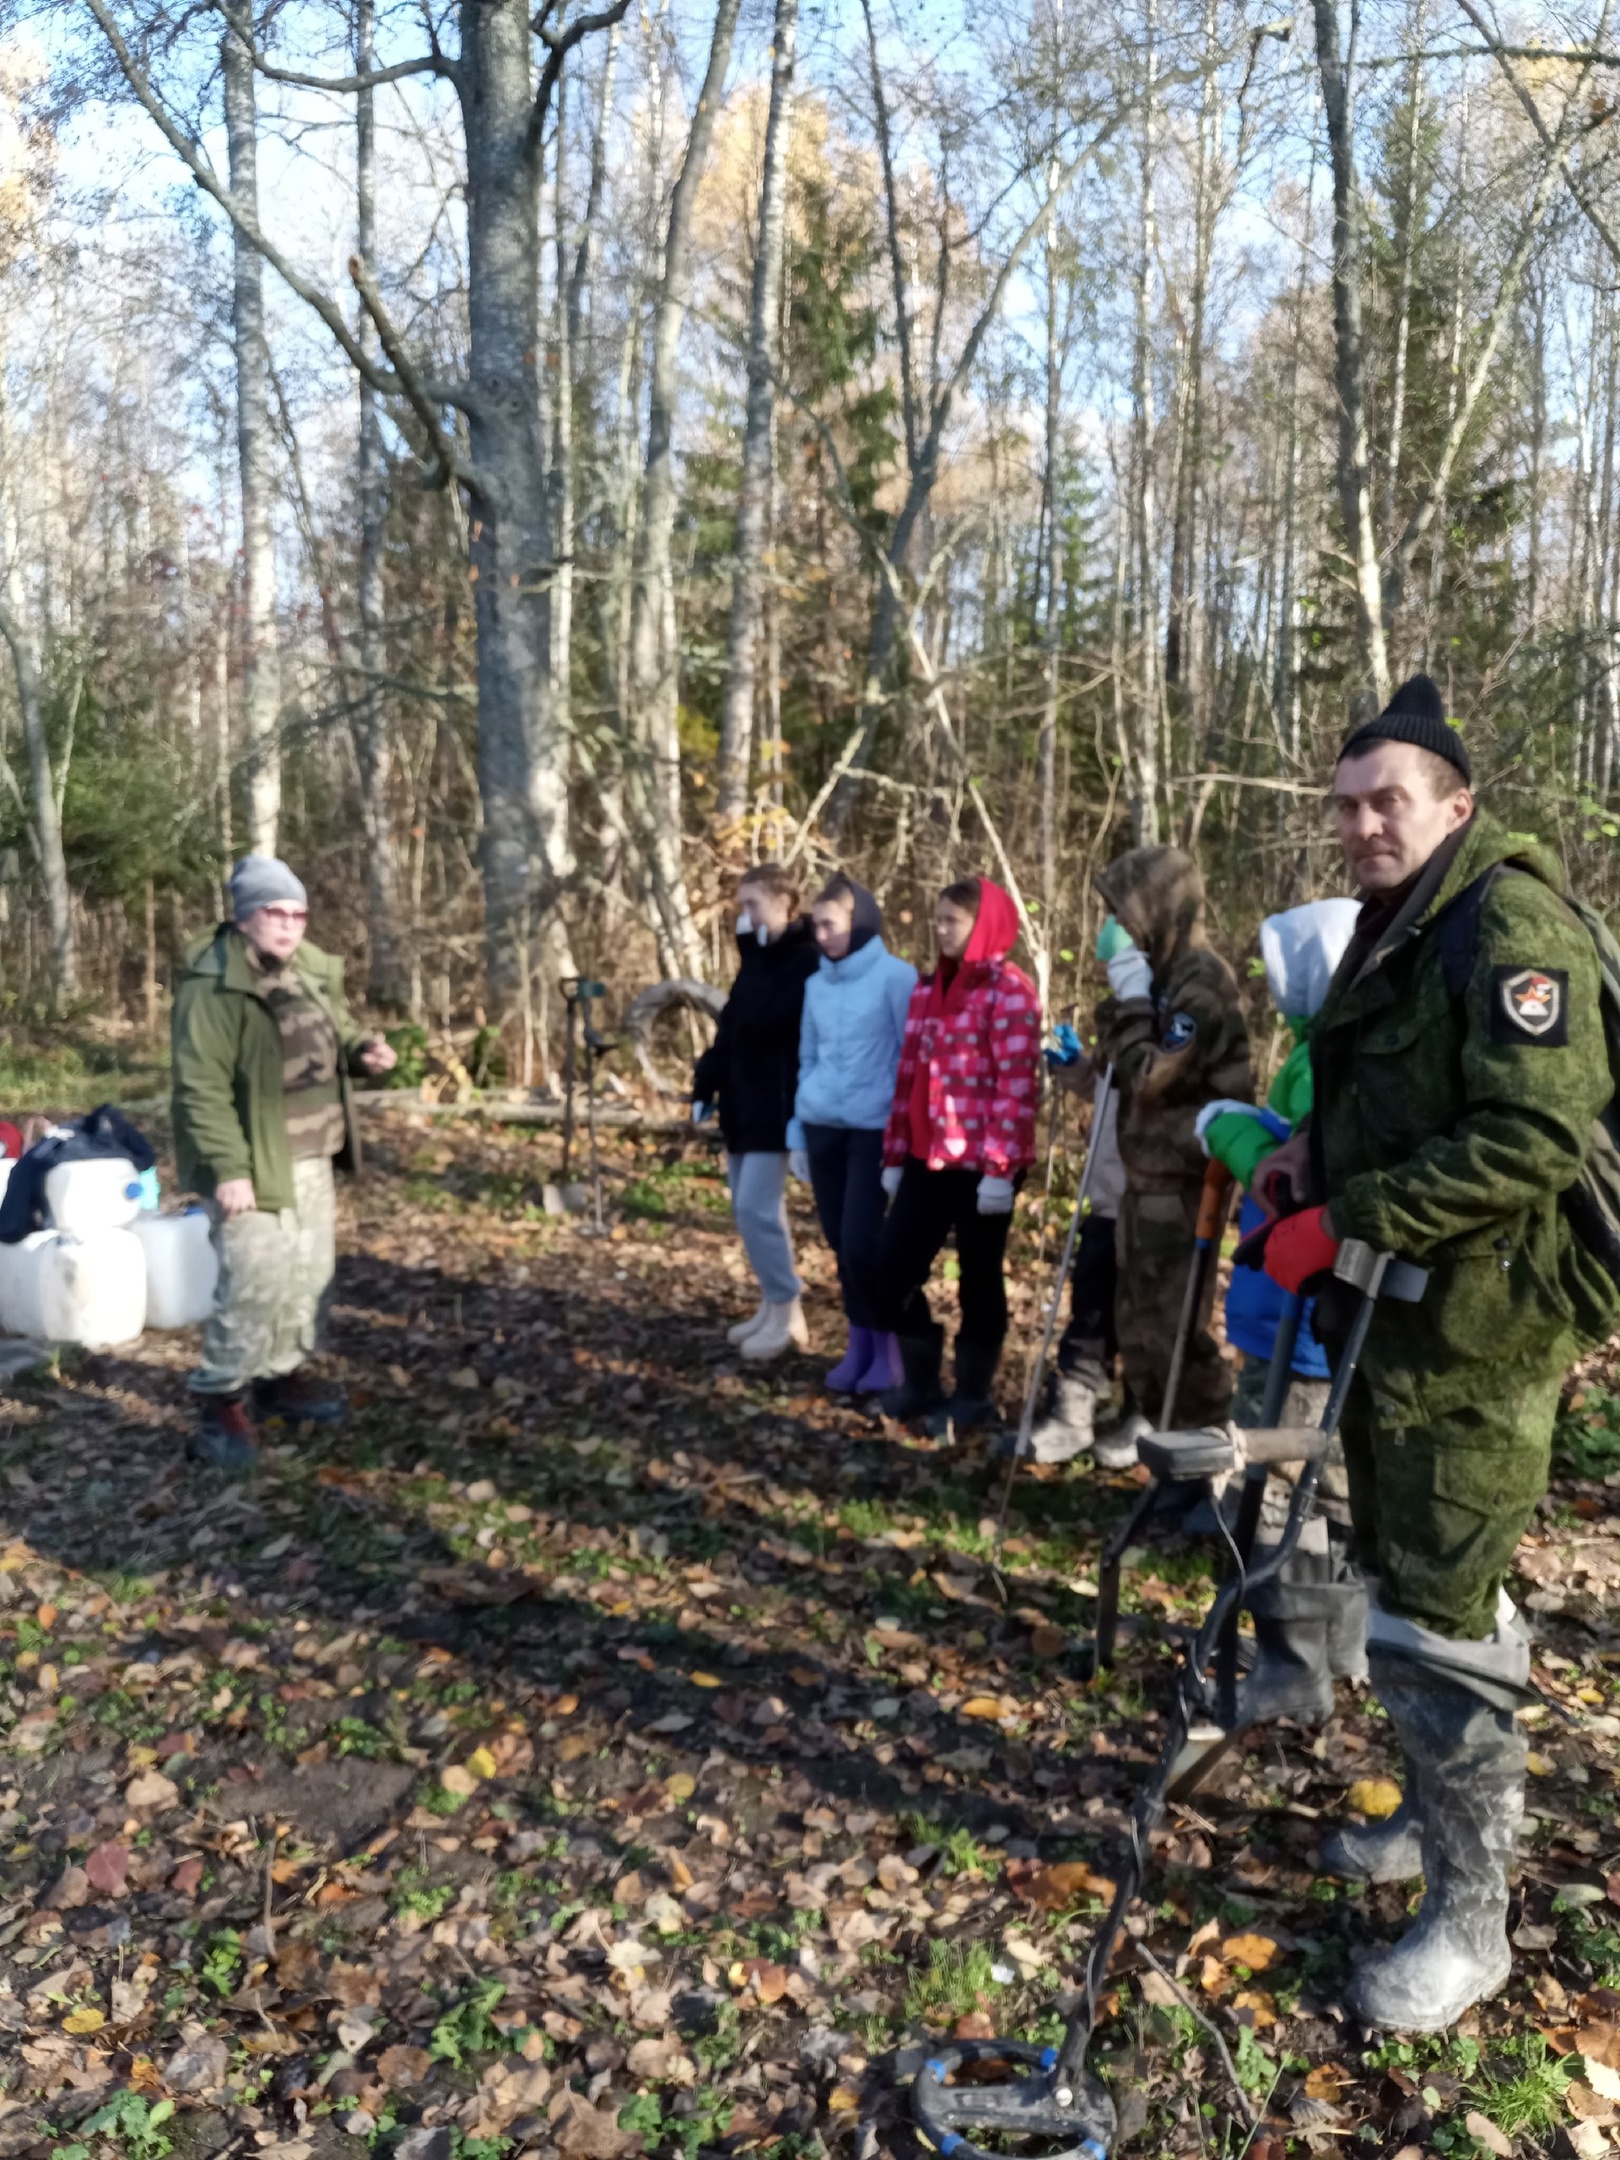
(1446, 1130)
(229, 1120)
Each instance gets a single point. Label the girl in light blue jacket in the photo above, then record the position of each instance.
(849, 1049)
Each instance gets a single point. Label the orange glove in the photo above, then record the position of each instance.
(1299, 1247)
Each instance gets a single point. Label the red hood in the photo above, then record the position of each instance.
(996, 931)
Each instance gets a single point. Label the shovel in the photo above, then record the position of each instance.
(1052, 2097)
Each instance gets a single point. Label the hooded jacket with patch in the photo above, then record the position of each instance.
(229, 1060)
(1186, 1043)
(849, 1039)
(966, 1091)
(1446, 1129)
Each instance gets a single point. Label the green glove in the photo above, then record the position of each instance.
(1113, 939)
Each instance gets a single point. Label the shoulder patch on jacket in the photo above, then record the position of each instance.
(1179, 1030)
(1530, 1004)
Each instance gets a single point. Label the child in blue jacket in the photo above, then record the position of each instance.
(849, 1048)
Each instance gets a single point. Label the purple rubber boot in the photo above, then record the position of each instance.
(841, 1380)
(885, 1370)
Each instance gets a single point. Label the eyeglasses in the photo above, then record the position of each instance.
(290, 917)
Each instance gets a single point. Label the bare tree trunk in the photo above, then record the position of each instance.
(653, 739)
(45, 823)
(742, 637)
(1144, 430)
(1406, 248)
(261, 659)
(1053, 625)
(525, 844)
(1349, 371)
(387, 978)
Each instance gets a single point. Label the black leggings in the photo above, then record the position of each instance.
(846, 1176)
(928, 1207)
(1092, 1282)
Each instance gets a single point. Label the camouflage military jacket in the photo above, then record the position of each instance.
(1186, 1044)
(1446, 1129)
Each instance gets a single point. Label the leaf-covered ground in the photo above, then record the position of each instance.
(602, 1747)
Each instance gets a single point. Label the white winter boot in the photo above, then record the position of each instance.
(744, 1328)
(781, 1328)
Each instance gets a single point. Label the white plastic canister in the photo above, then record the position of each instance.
(103, 1193)
(91, 1291)
(182, 1268)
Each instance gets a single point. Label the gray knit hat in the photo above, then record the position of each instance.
(263, 881)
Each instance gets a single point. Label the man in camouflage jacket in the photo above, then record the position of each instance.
(1174, 1036)
(1459, 1063)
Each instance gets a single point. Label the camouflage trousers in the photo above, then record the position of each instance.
(1153, 1244)
(275, 1274)
(1440, 1500)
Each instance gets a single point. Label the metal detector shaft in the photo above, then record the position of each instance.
(1149, 1808)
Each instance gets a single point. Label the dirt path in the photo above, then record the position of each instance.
(602, 1748)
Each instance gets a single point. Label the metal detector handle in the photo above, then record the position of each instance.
(1252, 1498)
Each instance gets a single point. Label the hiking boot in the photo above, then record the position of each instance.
(1469, 1757)
(298, 1400)
(852, 1365)
(1065, 1430)
(921, 1357)
(1116, 1449)
(971, 1402)
(781, 1329)
(224, 1437)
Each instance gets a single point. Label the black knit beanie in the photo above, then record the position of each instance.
(1415, 714)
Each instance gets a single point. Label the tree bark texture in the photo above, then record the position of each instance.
(260, 654)
(653, 747)
(753, 508)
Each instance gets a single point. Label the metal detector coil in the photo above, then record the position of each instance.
(1054, 2093)
(1038, 2104)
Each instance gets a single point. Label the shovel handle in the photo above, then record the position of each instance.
(1212, 1202)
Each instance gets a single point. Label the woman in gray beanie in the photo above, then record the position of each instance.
(263, 1050)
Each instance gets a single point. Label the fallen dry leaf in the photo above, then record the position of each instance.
(1375, 1797)
(1255, 1951)
(1052, 1888)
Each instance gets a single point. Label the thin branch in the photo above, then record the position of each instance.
(449, 465)
(559, 44)
(1192, 2008)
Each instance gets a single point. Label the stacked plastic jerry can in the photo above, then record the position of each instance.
(109, 1265)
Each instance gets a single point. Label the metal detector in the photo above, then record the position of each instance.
(1214, 1203)
(1053, 2094)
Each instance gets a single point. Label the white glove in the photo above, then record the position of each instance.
(799, 1165)
(1130, 973)
(995, 1195)
(890, 1181)
(1212, 1110)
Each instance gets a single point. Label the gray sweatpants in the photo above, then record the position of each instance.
(758, 1183)
(275, 1271)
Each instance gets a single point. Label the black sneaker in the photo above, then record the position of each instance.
(298, 1400)
(224, 1437)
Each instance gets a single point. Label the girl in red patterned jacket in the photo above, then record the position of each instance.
(960, 1135)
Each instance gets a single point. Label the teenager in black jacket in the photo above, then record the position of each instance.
(751, 1070)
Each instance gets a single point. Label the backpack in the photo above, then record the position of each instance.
(1592, 1203)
